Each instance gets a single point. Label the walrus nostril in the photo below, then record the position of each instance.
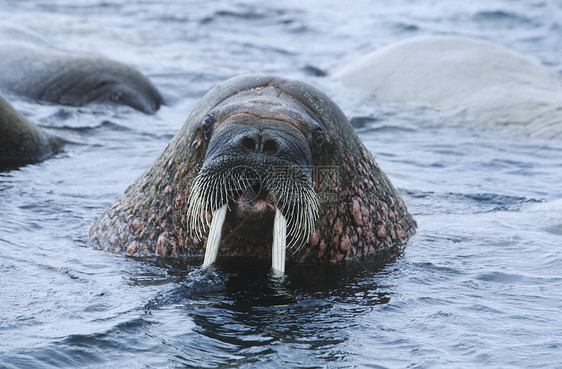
(257, 144)
(270, 147)
(248, 144)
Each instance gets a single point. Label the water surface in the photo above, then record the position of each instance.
(480, 284)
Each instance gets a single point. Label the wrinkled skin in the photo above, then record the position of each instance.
(21, 141)
(360, 213)
(45, 75)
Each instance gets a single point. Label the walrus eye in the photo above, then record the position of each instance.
(116, 96)
(318, 138)
(207, 126)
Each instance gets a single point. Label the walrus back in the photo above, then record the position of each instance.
(470, 76)
(21, 141)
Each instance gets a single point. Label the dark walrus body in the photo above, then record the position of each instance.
(42, 74)
(21, 141)
(297, 141)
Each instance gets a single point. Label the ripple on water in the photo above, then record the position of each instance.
(242, 314)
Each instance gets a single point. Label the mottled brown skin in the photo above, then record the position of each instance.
(360, 211)
(22, 141)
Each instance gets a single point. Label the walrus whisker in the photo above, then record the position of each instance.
(216, 203)
(279, 242)
(224, 194)
(214, 238)
(289, 189)
(309, 219)
(199, 207)
(206, 210)
(300, 205)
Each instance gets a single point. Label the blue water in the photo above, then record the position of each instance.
(480, 285)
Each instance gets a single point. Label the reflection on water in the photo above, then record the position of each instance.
(241, 308)
(251, 283)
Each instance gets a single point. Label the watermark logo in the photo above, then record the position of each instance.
(250, 182)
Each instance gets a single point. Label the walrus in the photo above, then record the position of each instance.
(263, 165)
(473, 77)
(22, 141)
(33, 71)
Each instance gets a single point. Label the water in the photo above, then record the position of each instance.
(480, 285)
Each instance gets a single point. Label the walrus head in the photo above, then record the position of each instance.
(263, 165)
(258, 168)
(82, 81)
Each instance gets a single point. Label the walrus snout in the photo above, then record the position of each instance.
(256, 181)
(271, 144)
(259, 142)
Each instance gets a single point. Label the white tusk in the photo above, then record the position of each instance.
(214, 238)
(279, 242)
